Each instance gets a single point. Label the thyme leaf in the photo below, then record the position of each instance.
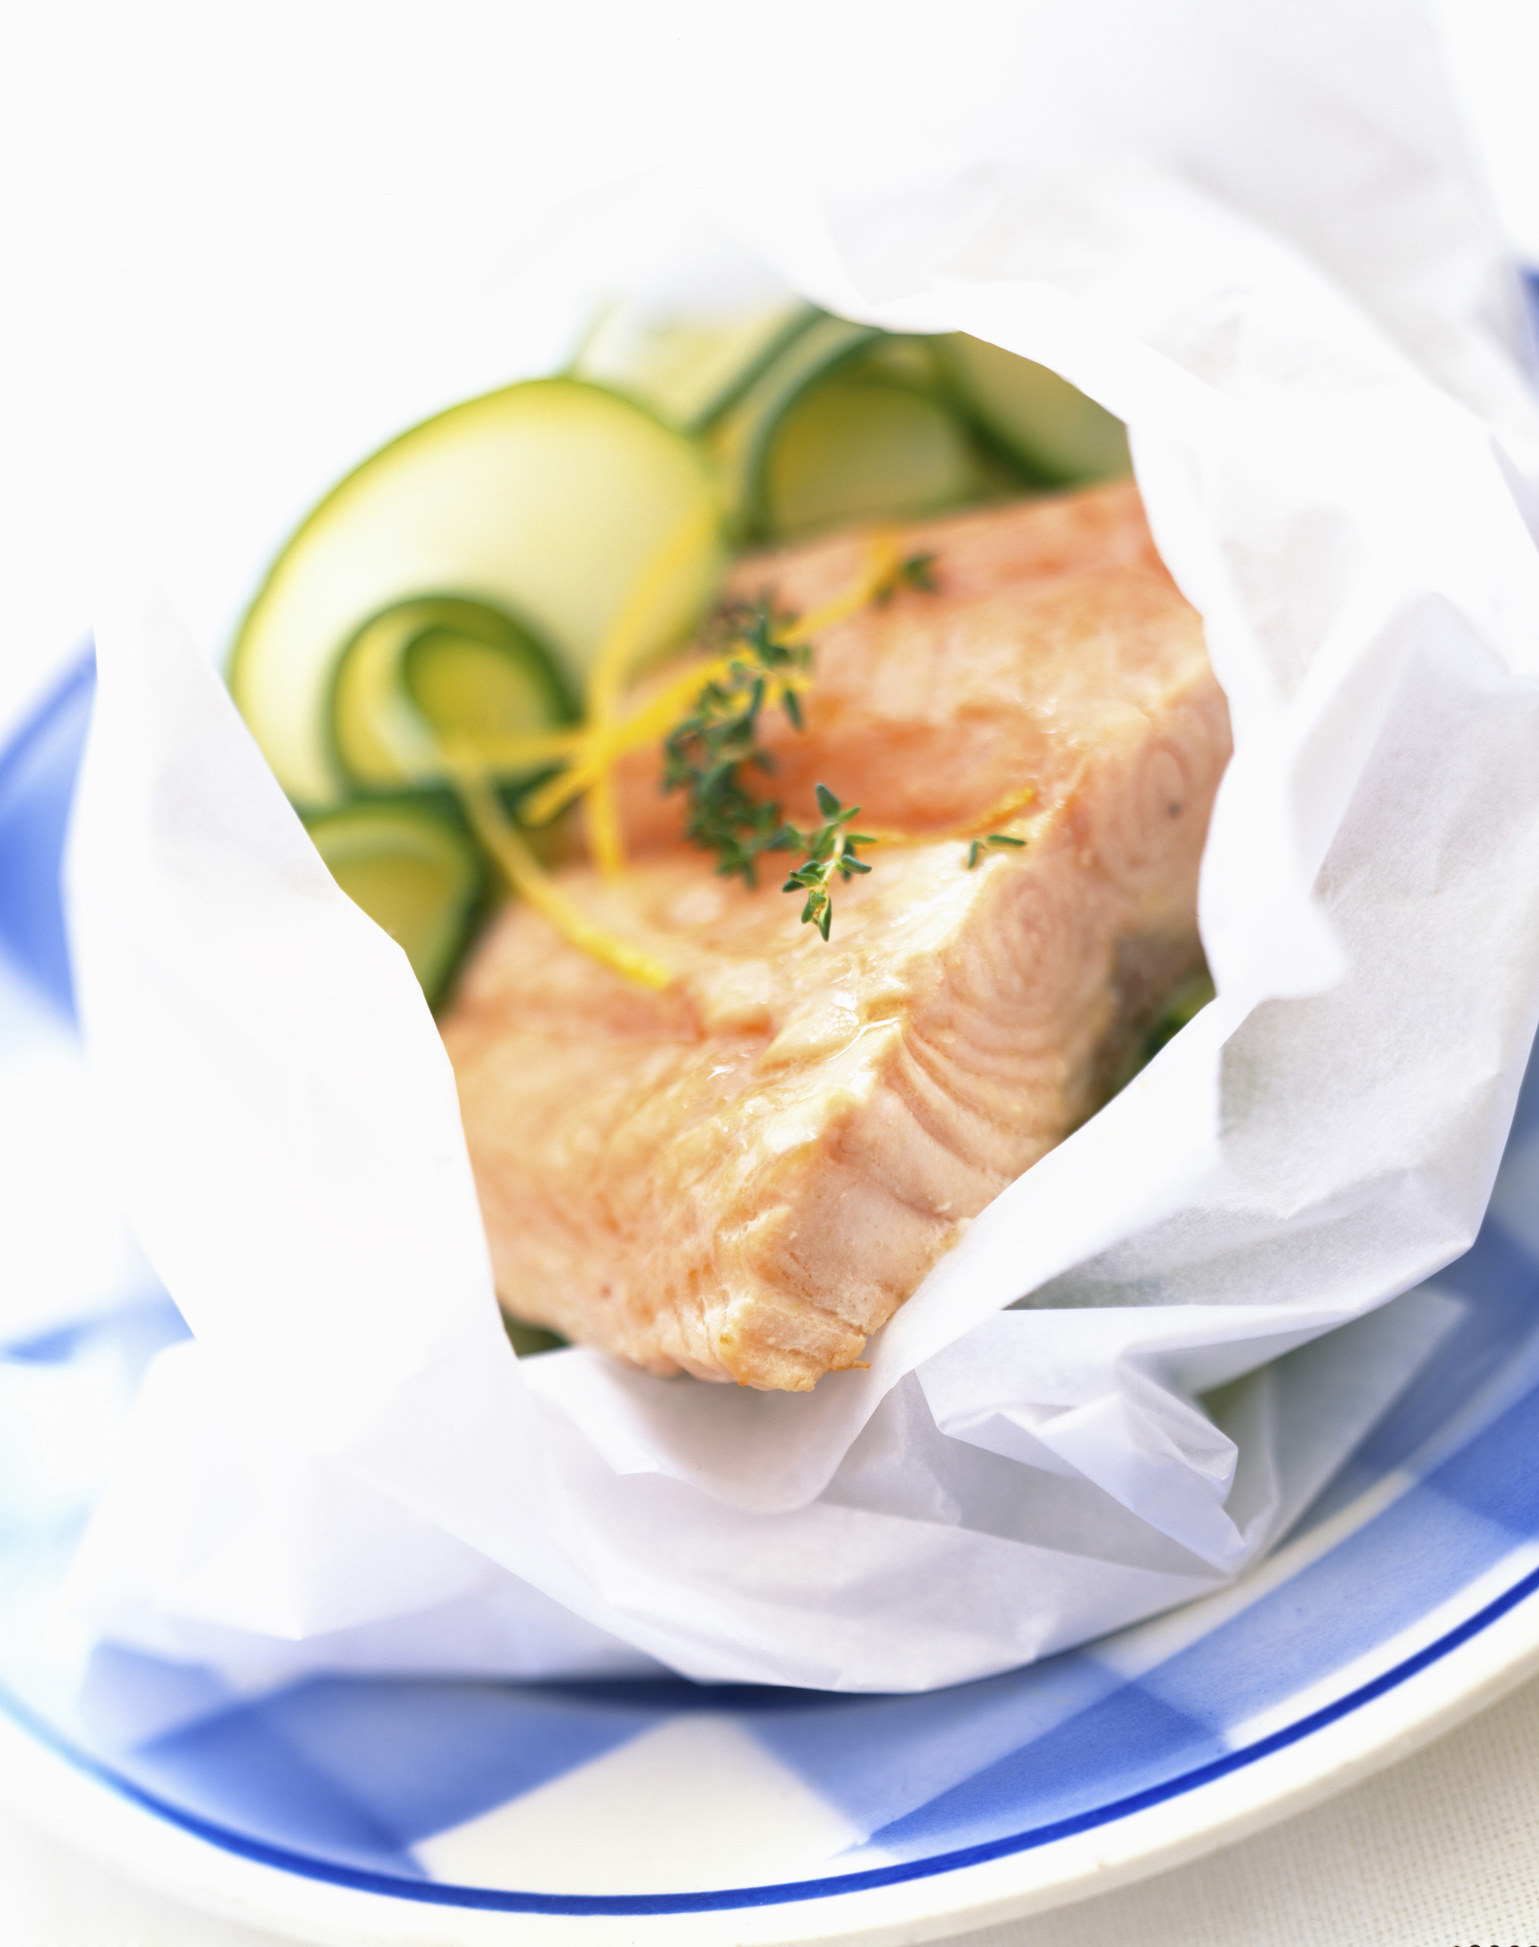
(997, 840)
(709, 757)
(914, 571)
(829, 849)
(709, 754)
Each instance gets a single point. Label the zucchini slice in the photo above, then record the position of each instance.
(743, 437)
(415, 873)
(1040, 420)
(850, 423)
(548, 500)
(438, 666)
(899, 359)
(529, 1341)
(855, 449)
(689, 371)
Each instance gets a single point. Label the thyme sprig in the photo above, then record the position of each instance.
(710, 753)
(996, 840)
(829, 849)
(914, 571)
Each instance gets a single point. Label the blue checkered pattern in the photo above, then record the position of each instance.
(453, 1790)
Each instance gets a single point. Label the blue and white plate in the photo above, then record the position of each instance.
(409, 1811)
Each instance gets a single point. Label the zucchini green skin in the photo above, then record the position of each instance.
(412, 865)
(711, 415)
(546, 500)
(934, 452)
(517, 525)
(382, 725)
(1037, 418)
(742, 438)
(529, 1341)
(659, 363)
(856, 448)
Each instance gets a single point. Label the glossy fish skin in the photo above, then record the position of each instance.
(744, 1176)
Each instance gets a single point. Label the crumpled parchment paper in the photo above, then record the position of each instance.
(1152, 1349)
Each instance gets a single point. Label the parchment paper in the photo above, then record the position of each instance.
(1151, 1350)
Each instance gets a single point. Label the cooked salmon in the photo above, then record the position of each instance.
(744, 1175)
(926, 712)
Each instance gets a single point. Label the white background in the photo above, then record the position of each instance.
(386, 143)
(381, 147)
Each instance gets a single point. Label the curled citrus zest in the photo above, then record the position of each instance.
(605, 840)
(602, 740)
(529, 879)
(884, 559)
(611, 666)
(997, 815)
(590, 749)
(522, 750)
(647, 725)
(617, 651)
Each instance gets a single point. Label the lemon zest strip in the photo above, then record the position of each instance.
(996, 816)
(529, 879)
(604, 740)
(612, 664)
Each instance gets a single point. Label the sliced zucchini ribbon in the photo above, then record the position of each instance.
(442, 652)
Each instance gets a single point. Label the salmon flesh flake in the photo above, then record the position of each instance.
(745, 1175)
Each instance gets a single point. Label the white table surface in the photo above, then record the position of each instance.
(125, 129)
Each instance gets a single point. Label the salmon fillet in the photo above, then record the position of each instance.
(745, 1175)
(926, 712)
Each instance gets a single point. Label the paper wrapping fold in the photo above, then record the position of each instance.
(349, 1469)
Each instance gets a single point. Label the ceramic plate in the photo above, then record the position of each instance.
(374, 1811)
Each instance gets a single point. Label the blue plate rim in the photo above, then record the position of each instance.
(446, 1894)
(780, 1892)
